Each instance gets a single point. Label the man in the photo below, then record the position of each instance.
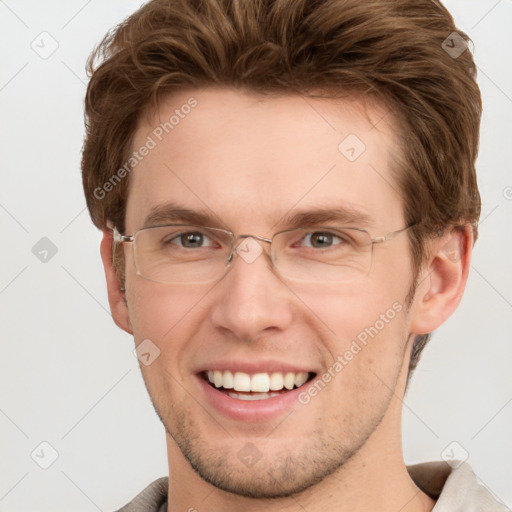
(288, 200)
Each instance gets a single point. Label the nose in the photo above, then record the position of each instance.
(251, 299)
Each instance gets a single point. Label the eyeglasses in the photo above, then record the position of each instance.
(182, 253)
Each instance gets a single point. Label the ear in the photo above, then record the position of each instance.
(116, 297)
(442, 280)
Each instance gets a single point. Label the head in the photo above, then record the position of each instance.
(243, 109)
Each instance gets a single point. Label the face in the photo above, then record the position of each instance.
(251, 163)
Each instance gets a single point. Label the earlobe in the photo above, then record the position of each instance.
(443, 280)
(116, 297)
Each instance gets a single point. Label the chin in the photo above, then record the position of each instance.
(276, 471)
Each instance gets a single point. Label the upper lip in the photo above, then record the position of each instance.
(252, 367)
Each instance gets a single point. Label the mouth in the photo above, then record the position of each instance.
(257, 386)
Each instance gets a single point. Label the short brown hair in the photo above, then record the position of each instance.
(393, 50)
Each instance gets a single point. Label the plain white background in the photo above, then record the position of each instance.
(68, 374)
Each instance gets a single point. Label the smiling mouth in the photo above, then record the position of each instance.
(258, 386)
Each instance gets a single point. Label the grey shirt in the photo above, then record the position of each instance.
(454, 489)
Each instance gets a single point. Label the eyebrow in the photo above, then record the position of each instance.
(173, 212)
(346, 215)
(295, 218)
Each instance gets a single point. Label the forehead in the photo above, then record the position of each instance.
(251, 161)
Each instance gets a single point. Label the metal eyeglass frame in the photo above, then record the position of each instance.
(119, 238)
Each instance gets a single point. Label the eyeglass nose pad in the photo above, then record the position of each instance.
(236, 242)
(234, 248)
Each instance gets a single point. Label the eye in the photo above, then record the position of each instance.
(322, 239)
(190, 240)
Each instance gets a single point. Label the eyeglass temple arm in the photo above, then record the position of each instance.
(390, 236)
(116, 236)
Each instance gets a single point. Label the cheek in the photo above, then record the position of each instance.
(164, 316)
(359, 310)
(366, 338)
(368, 354)
(162, 313)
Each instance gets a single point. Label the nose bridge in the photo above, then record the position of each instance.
(255, 237)
(253, 297)
(245, 251)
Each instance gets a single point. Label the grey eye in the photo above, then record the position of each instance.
(322, 239)
(192, 240)
(189, 240)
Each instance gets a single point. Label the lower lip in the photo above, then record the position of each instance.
(251, 411)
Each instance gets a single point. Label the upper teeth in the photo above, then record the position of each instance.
(259, 382)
